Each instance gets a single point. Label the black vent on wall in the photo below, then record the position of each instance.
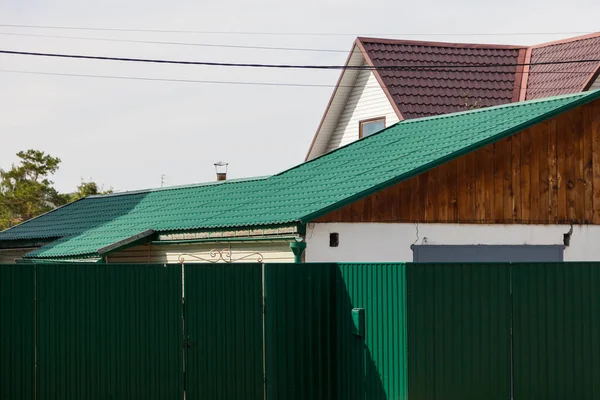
(334, 239)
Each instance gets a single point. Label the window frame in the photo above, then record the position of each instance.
(366, 121)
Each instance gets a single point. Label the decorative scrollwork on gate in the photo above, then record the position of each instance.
(224, 255)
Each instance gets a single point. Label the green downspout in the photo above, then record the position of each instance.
(298, 248)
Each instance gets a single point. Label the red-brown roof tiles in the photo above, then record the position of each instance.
(433, 91)
(557, 79)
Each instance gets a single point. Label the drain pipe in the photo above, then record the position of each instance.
(298, 246)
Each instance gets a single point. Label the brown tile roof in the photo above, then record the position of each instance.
(556, 79)
(426, 92)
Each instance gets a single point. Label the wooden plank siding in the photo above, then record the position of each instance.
(8, 256)
(547, 174)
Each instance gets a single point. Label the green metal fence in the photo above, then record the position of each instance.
(326, 331)
(556, 331)
(459, 331)
(299, 331)
(372, 365)
(17, 342)
(109, 332)
(224, 329)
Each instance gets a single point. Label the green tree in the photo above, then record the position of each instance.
(88, 189)
(26, 190)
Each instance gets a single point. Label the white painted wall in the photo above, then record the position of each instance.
(336, 105)
(596, 84)
(372, 242)
(367, 100)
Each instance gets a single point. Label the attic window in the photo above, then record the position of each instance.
(368, 127)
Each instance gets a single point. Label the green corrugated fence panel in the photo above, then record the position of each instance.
(223, 324)
(458, 331)
(373, 367)
(17, 354)
(299, 329)
(556, 331)
(109, 332)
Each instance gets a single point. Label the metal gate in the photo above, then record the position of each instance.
(223, 332)
(109, 332)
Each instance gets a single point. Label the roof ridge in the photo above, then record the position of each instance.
(567, 40)
(440, 44)
(178, 187)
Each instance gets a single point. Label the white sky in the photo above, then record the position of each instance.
(126, 134)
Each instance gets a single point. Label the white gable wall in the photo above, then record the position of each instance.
(336, 105)
(367, 100)
(391, 242)
(358, 96)
(596, 84)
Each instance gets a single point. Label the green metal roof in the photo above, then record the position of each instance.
(297, 195)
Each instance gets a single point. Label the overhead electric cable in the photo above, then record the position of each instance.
(296, 66)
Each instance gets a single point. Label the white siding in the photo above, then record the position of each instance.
(596, 84)
(371, 242)
(336, 105)
(367, 100)
(9, 256)
(278, 252)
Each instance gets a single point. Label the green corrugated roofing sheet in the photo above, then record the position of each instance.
(297, 195)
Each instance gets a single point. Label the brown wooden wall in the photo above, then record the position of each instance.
(549, 173)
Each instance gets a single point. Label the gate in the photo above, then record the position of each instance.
(224, 331)
(109, 332)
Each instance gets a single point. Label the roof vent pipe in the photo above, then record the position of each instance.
(221, 170)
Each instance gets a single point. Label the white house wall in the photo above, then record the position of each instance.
(367, 100)
(336, 106)
(277, 252)
(596, 84)
(372, 242)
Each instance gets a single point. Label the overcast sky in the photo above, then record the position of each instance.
(125, 134)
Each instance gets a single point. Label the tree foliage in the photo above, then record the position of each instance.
(26, 190)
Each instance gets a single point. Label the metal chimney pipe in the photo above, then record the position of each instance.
(221, 170)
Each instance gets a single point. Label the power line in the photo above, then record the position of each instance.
(136, 78)
(286, 33)
(246, 83)
(175, 43)
(417, 67)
